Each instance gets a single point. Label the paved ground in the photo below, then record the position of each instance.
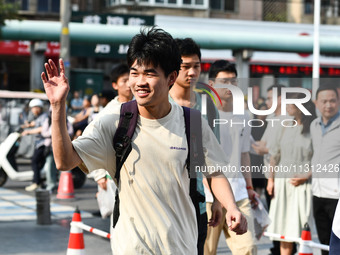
(20, 233)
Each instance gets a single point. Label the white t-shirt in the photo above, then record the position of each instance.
(235, 139)
(114, 102)
(156, 212)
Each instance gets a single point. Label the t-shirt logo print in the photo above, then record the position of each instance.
(178, 148)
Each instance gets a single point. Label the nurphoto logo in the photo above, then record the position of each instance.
(238, 104)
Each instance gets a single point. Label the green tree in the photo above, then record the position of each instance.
(8, 11)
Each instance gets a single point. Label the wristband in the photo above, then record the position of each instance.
(249, 187)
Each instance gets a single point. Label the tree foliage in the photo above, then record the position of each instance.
(8, 11)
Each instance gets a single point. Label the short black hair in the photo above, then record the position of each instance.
(119, 70)
(279, 88)
(157, 47)
(188, 47)
(221, 66)
(326, 87)
(109, 94)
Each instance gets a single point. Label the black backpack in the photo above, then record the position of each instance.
(122, 146)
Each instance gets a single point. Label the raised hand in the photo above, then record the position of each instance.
(55, 84)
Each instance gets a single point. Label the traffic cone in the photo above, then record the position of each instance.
(76, 241)
(306, 237)
(65, 187)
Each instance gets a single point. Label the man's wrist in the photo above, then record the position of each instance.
(232, 207)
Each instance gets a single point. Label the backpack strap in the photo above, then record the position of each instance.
(193, 132)
(122, 138)
(122, 144)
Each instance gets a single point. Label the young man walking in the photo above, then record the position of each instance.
(235, 141)
(183, 94)
(157, 215)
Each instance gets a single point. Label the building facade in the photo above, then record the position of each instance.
(15, 56)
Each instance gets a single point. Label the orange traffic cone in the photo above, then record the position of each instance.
(306, 237)
(76, 241)
(65, 188)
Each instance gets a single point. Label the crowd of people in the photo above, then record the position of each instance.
(156, 213)
(36, 121)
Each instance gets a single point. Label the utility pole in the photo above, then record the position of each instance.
(316, 48)
(65, 16)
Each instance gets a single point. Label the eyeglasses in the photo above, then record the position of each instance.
(232, 81)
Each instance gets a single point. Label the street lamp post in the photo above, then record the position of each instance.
(316, 48)
(65, 16)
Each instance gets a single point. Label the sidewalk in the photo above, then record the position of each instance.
(28, 238)
(21, 235)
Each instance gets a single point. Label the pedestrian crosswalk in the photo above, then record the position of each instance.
(18, 206)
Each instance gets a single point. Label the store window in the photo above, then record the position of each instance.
(229, 5)
(24, 5)
(309, 6)
(223, 5)
(55, 5)
(48, 5)
(166, 3)
(193, 2)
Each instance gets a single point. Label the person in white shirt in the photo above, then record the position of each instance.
(157, 215)
(235, 141)
(182, 92)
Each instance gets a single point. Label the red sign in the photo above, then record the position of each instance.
(22, 48)
(293, 70)
(53, 49)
